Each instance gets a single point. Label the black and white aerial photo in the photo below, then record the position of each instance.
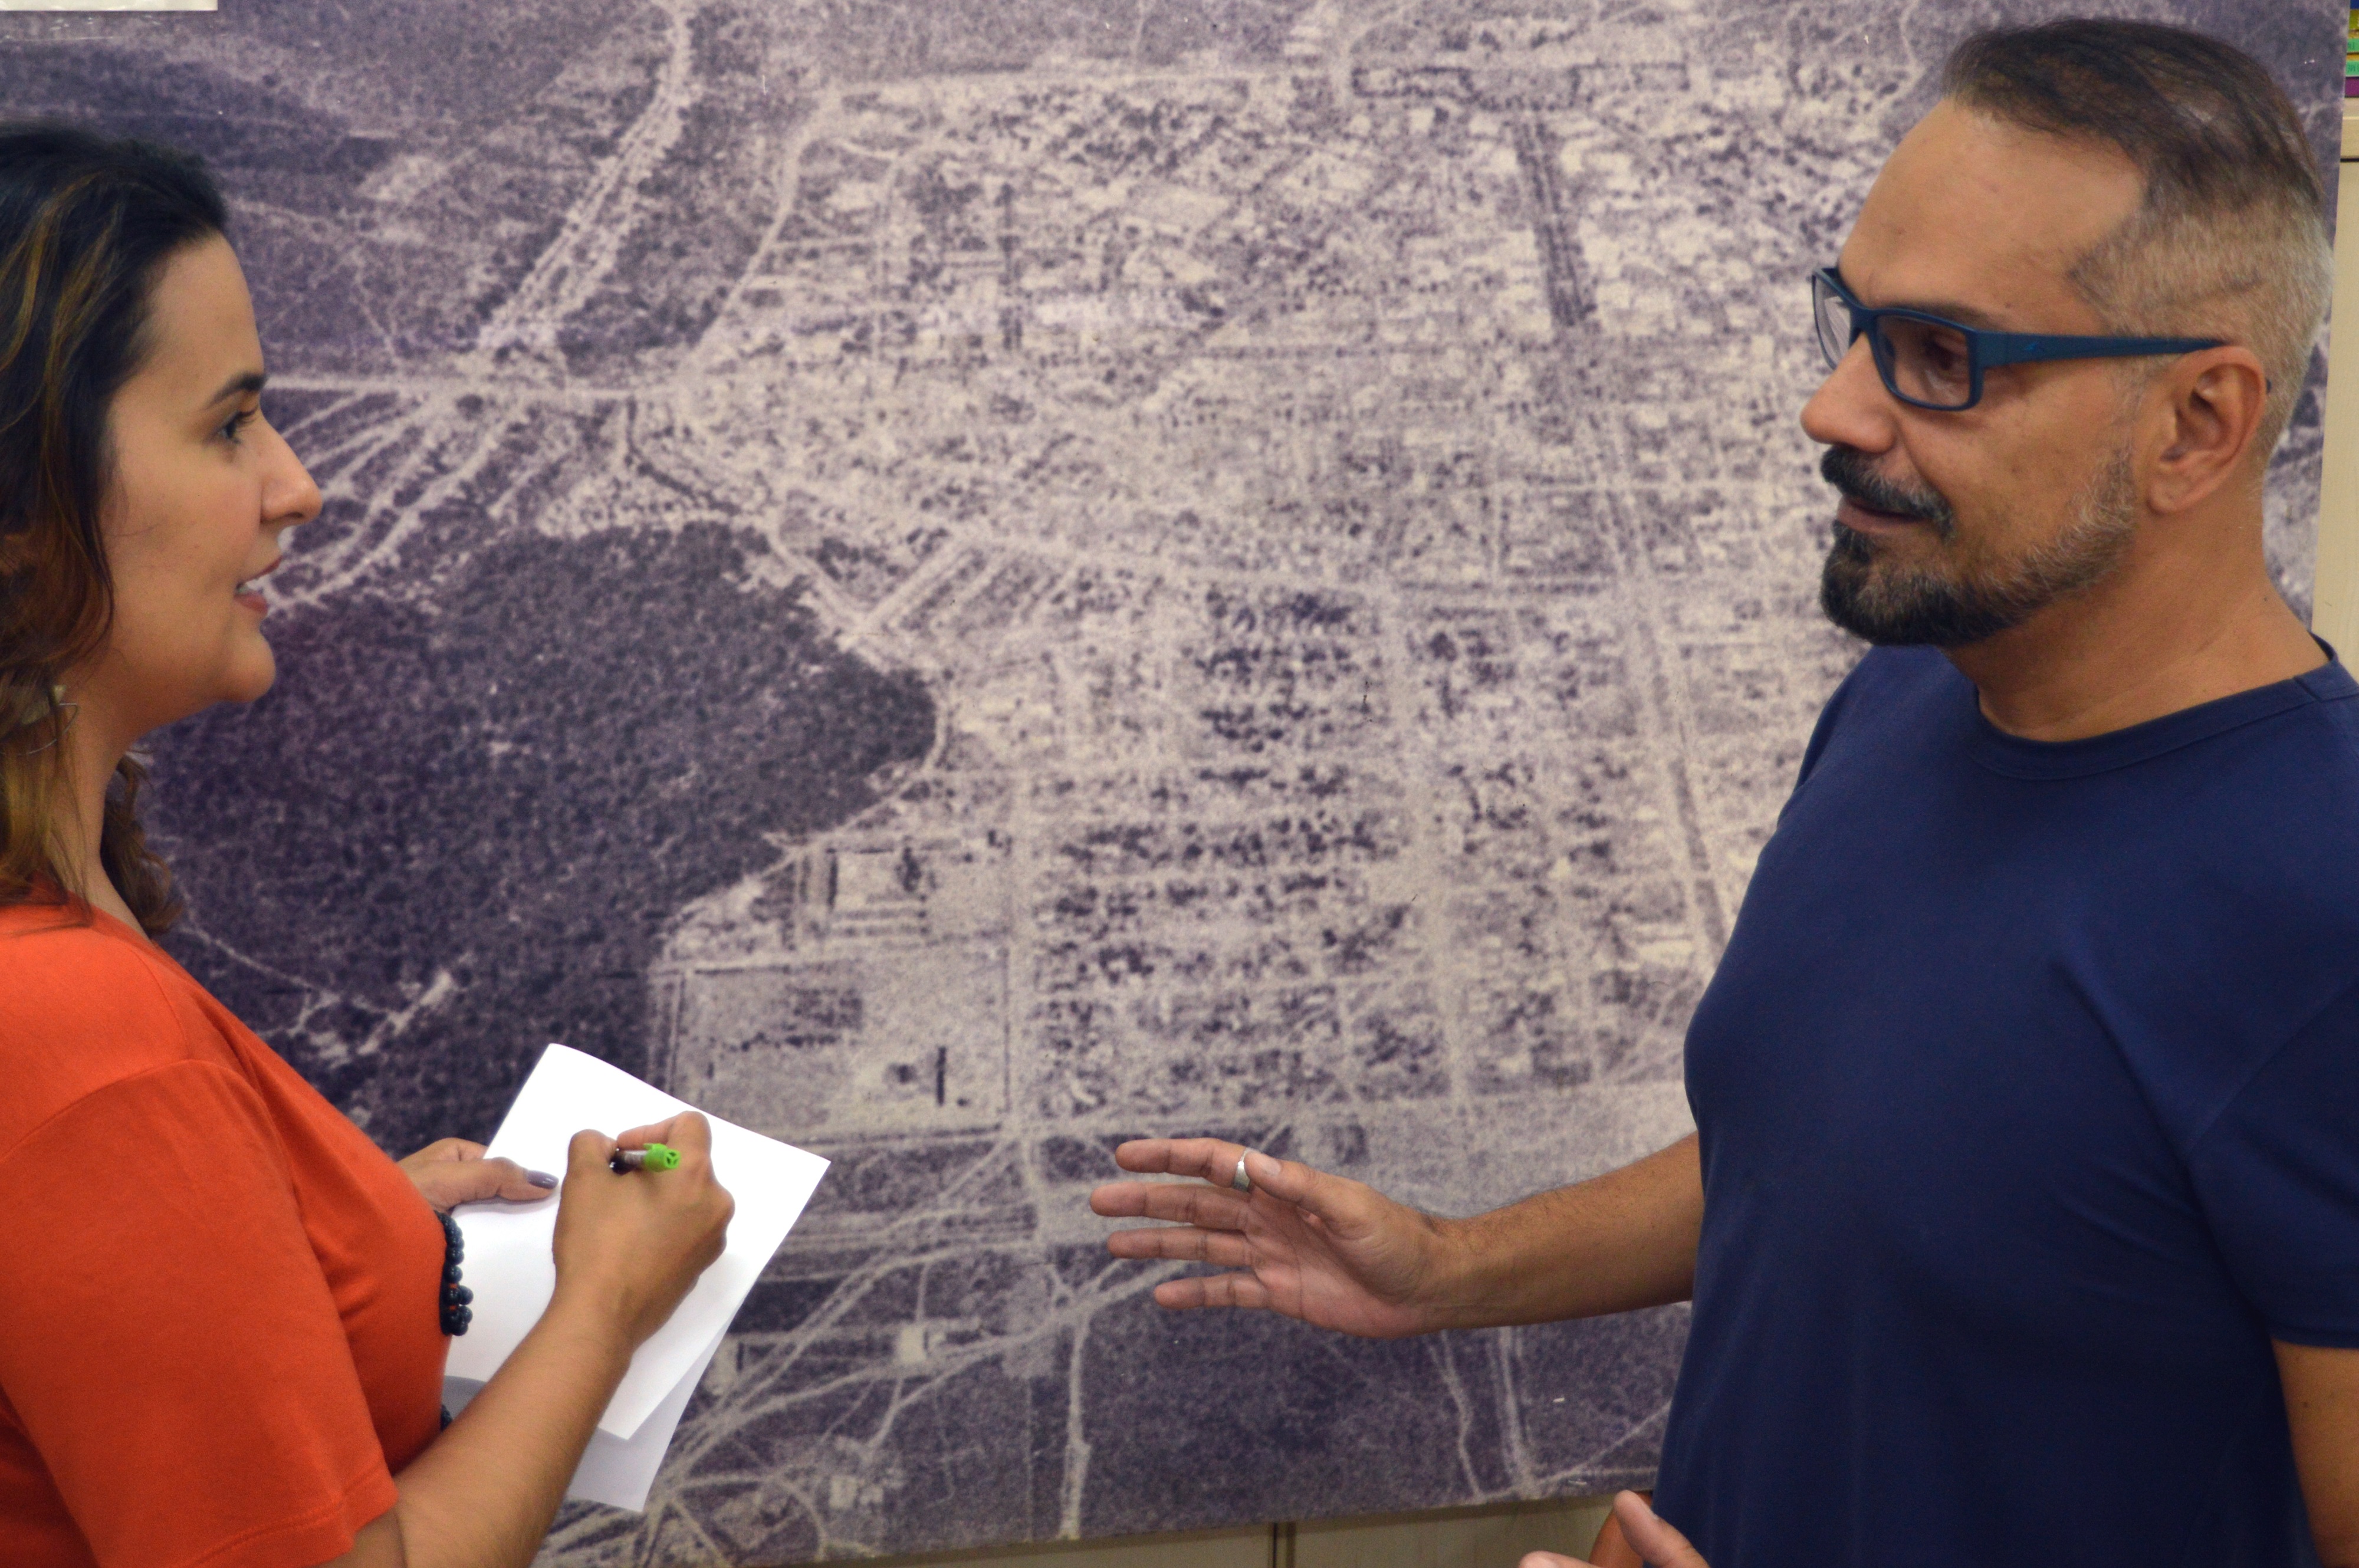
(958, 580)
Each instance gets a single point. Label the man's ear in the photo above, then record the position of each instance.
(2210, 421)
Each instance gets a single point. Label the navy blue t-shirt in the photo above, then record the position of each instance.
(2028, 1097)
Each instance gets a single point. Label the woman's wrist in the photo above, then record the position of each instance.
(591, 1323)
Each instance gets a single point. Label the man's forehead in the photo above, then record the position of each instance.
(1971, 211)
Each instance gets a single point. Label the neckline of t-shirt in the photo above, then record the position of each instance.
(2020, 759)
(113, 926)
(86, 916)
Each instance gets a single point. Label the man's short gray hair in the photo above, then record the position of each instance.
(2231, 240)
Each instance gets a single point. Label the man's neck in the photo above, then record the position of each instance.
(2138, 645)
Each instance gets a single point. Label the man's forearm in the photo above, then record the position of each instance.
(1612, 1244)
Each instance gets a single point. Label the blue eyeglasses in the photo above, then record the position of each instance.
(1929, 362)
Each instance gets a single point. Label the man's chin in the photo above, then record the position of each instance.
(1892, 609)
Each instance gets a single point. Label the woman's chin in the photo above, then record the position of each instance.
(255, 672)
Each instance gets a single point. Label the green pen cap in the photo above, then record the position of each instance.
(661, 1156)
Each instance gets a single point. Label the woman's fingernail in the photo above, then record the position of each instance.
(541, 1178)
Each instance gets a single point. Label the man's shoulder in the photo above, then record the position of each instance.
(1888, 685)
(2328, 719)
(2266, 816)
(2301, 762)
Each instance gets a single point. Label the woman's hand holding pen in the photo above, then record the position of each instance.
(632, 1245)
(628, 1248)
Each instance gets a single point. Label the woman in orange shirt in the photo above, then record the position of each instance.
(227, 1309)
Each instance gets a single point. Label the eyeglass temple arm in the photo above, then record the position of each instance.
(2013, 348)
(1993, 349)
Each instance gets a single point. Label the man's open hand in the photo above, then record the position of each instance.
(1329, 1251)
(1642, 1539)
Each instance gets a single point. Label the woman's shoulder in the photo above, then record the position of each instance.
(85, 1003)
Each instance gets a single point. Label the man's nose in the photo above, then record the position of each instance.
(1851, 407)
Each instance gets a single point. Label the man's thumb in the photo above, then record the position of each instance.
(1657, 1543)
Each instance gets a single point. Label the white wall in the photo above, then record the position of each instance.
(2336, 617)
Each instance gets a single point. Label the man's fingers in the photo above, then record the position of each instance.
(1215, 1160)
(1657, 1543)
(1183, 1244)
(1162, 1201)
(1213, 1290)
(1548, 1560)
(1209, 1160)
(1308, 1188)
(1177, 1157)
(1148, 1156)
(1121, 1200)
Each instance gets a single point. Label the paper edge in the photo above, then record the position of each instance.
(821, 1165)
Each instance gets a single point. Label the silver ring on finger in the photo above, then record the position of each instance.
(1238, 1178)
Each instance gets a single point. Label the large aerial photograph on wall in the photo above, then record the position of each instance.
(956, 582)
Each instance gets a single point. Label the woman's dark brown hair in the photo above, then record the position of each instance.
(87, 224)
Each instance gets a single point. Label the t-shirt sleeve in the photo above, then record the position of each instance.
(172, 1349)
(2277, 1174)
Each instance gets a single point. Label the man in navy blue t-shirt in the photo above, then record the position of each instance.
(2022, 1221)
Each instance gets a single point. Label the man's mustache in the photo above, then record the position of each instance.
(1849, 470)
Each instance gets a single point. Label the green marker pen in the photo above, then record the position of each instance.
(654, 1157)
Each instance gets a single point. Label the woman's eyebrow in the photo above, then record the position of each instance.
(244, 384)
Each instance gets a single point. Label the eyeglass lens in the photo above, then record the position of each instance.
(1833, 322)
(1927, 364)
(1920, 361)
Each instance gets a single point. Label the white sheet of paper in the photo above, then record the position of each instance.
(616, 1471)
(508, 1263)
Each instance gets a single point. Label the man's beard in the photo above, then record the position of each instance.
(1921, 607)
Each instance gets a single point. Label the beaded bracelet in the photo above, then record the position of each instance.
(456, 1313)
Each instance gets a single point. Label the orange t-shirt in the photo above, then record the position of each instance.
(222, 1329)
